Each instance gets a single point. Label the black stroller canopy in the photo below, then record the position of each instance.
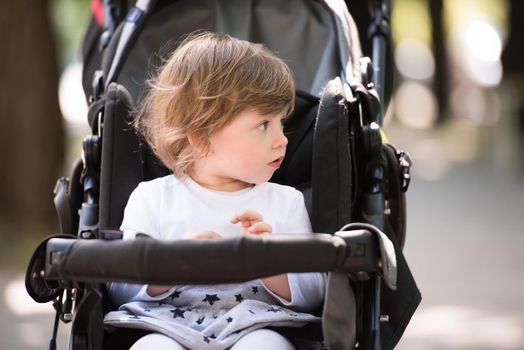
(317, 39)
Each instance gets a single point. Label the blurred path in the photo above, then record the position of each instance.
(25, 324)
(465, 246)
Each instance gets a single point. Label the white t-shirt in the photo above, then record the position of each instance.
(172, 208)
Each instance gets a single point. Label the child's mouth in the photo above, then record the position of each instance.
(276, 163)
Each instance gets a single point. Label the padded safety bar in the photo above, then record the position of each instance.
(229, 260)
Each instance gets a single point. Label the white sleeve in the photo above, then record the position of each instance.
(121, 293)
(142, 212)
(307, 289)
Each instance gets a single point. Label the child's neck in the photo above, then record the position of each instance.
(220, 184)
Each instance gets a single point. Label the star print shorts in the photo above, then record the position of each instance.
(209, 316)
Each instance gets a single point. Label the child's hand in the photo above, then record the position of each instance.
(204, 235)
(251, 223)
(154, 290)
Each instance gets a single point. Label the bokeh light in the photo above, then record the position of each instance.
(479, 47)
(414, 59)
(71, 96)
(415, 105)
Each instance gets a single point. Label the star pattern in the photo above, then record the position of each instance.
(175, 294)
(178, 313)
(272, 309)
(211, 298)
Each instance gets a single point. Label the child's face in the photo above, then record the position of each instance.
(246, 151)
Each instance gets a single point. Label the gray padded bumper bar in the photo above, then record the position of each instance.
(209, 261)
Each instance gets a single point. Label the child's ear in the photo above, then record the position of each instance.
(197, 142)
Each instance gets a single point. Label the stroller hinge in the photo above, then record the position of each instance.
(88, 224)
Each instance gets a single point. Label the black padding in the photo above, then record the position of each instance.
(399, 304)
(121, 165)
(299, 128)
(331, 168)
(219, 261)
(122, 338)
(296, 167)
(396, 197)
(85, 330)
(152, 167)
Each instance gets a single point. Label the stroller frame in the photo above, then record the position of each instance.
(353, 249)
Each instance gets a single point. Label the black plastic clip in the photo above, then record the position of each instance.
(405, 163)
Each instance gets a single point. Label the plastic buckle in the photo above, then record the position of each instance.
(367, 71)
(98, 84)
(405, 164)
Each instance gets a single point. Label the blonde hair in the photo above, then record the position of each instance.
(207, 81)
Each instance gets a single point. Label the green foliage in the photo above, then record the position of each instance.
(69, 19)
(459, 11)
(411, 19)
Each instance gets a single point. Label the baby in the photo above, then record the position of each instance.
(214, 117)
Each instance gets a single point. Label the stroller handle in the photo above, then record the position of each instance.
(209, 261)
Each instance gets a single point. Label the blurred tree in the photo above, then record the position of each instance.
(514, 51)
(440, 79)
(31, 130)
(513, 63)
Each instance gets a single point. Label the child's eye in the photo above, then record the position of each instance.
(263, 126)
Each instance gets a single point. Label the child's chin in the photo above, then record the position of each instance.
(260, 180)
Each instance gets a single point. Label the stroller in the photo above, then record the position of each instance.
(354, 184)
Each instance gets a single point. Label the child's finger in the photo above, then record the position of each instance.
(248, 215)
(204, 235)
(260, 227)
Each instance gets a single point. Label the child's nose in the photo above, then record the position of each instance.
(280, 140)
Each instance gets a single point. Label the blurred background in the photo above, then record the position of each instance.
(456, 105)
